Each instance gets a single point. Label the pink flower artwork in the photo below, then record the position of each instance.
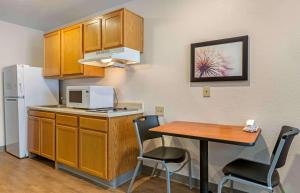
(211, 63)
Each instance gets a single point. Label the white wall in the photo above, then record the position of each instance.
(18, 45)
(271, 96)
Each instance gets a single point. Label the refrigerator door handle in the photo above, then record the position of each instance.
(20, 88)
(11, 99)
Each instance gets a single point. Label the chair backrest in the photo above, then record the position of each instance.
(285, 139)
(281, 150)
(143, 124)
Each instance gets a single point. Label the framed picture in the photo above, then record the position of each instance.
(220, 60)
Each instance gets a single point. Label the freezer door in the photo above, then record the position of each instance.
(15, 127)
(37, 89)
(13, 81)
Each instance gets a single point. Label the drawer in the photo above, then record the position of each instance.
(43, 114)
(68, 120)
(94, 124)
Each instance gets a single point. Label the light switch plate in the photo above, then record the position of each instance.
(206, 91)
(160, 110)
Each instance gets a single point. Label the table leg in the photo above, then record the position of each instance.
(204, 167)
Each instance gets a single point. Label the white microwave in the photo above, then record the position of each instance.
(90, 97)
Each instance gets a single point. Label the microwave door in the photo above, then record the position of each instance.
(75, 96)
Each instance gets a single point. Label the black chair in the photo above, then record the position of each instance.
(257, 174)
(161, 155)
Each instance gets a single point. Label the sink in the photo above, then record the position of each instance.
(54, 106)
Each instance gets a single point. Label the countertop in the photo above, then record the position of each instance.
(86, 112)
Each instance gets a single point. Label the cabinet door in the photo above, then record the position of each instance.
(52, 54)
(71, 45)
(47, 135)
(92, 35)
(112, 29)
(67, 145)
(34, 135)
(93, 152)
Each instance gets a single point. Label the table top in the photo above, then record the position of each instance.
(210, 132)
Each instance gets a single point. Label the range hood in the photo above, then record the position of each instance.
(116, 57)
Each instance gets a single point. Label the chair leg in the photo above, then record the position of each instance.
(134, 176)
(154, 169)
(190, 170)
(220, 185)
(168, 178)
(231, 186)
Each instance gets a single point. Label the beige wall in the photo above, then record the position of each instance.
(18, 45)
(271, 96)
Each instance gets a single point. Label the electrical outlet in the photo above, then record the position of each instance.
(206, 91)
(160, 110)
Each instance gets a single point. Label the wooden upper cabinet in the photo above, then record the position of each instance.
(123, 28)
(52, 54)
(65, 47)
(71, 50)
(92, 35)
(133, 31)
(112, 29)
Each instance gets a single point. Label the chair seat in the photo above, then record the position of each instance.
(167, 154)
(251, 171)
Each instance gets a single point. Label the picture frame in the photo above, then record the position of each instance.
(220, 60)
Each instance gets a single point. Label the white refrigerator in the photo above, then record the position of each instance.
(23, 86)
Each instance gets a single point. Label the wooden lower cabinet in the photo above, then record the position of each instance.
(93, 152)
(41, 134)
(67, 145)
(123, 148)
(103, 147)
(47, 138)
(34, 134)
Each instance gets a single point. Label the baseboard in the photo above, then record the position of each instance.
(146, 170)
(2, 148)
(104, 183)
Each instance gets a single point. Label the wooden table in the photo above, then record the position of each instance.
(205, 132)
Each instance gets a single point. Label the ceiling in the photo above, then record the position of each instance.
(48, 14)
